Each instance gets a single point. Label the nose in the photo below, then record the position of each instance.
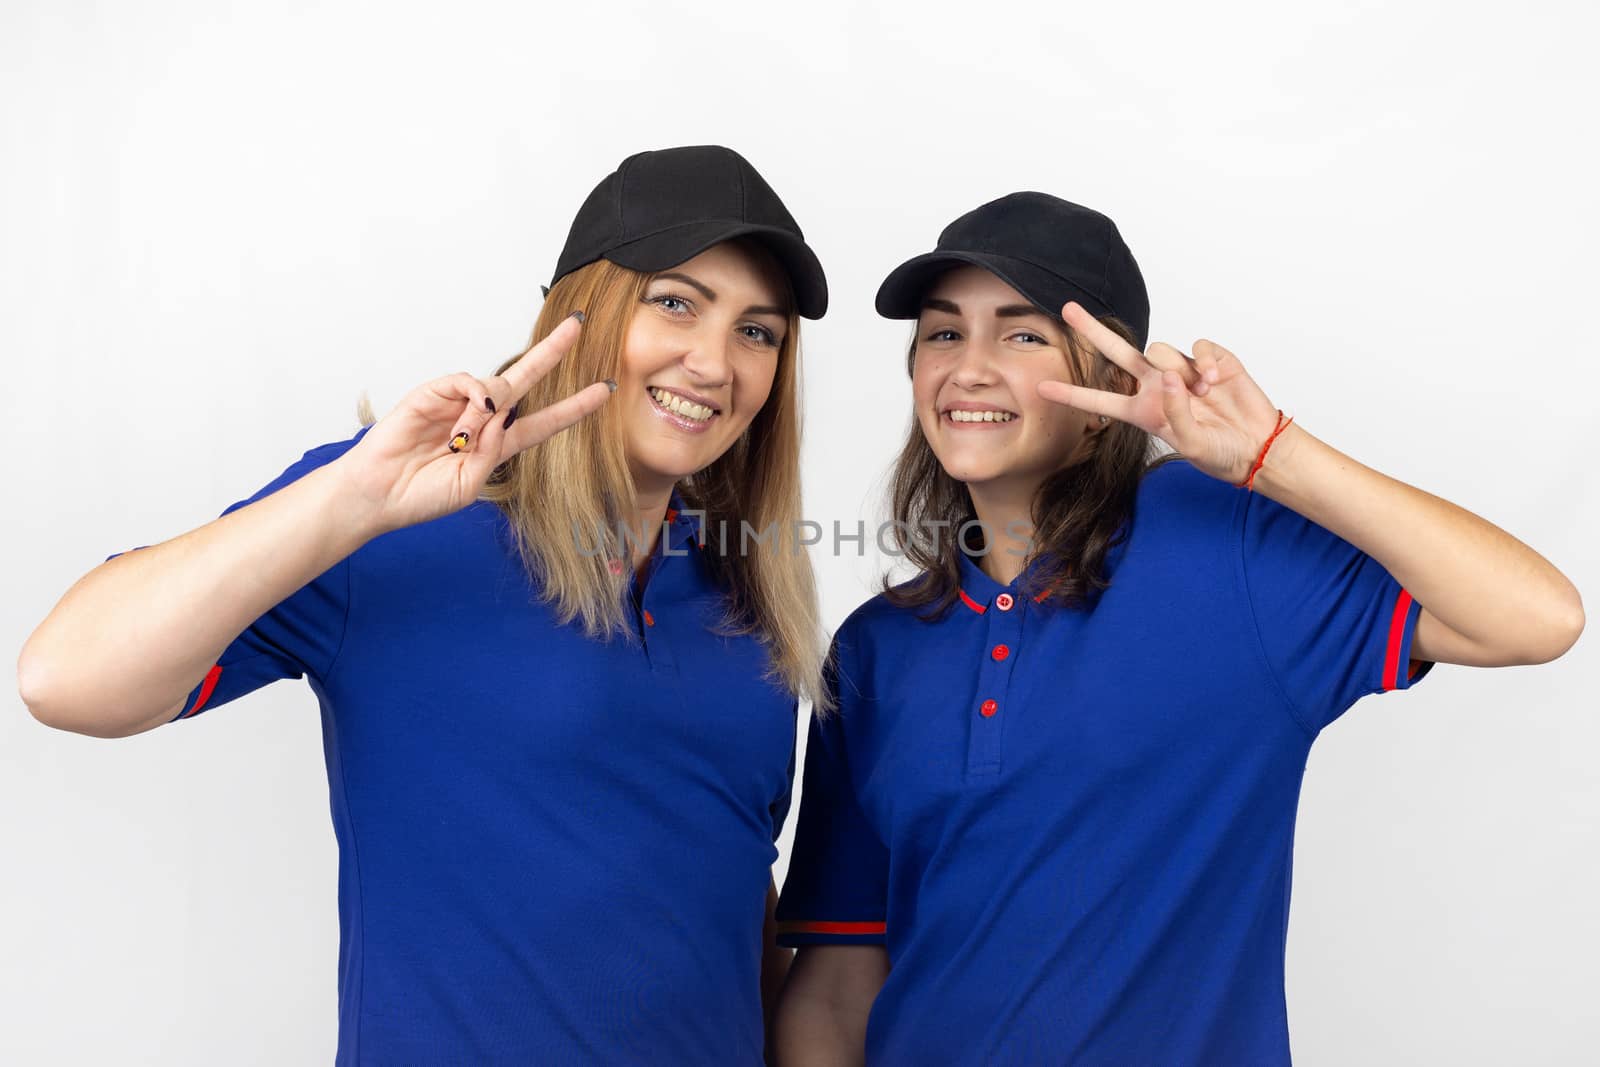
(707, 359)
(974, 366)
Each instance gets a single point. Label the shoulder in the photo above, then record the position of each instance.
(878, 616)
(1176, 495)
(318, 456)
(1174, 476)
(882, 634)
(859, 624)
(323, 454)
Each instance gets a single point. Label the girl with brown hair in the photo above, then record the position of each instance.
(1051, 819)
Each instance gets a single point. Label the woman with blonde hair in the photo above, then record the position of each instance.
(558, 688)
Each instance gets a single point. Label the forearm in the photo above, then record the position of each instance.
(815, 1032)
(821, 1018)
(1486, 585)
(775, 961)
(132, 637)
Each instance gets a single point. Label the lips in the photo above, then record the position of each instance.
(684, 394)
(967, 414)
(686, 411)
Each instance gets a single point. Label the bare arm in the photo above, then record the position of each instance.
(1488, 599)
(123, 648)
(822, 1016)
(775, 963)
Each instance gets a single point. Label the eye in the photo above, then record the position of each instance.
(760, 334)
(943, 335)
(1025, 336)
(671, 303)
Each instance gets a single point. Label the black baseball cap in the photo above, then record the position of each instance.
(660, 208)
(1045, 248)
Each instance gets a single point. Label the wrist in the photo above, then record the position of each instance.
(349, 507)
(1283, 462)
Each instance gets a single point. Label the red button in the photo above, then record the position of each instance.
(649, 619)
(1004, 601)
(1000, 652)
(988, 709)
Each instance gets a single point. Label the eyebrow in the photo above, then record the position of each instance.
(705, 290)
(709, 294)
(1005, 311)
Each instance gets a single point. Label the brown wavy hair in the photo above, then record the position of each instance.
(1080, 512)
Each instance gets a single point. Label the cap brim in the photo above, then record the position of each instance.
(900, 295)
(670, 247)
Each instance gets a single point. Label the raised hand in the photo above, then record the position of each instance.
(434, 452)
(1206, 407)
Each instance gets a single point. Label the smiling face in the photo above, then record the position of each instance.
(981, 351)
(699, 360)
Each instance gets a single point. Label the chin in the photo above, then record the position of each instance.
(671, 464)
(973, 468)
(971, 473)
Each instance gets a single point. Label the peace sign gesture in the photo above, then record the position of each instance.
(1206, 407)
(434, 452)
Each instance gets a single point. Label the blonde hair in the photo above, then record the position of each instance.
(579, 481)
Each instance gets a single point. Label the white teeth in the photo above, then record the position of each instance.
(679, 406)
(981, 416)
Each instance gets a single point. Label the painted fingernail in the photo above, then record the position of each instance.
(488, 402)
(580, 316)
(459, 441)
(611, 384)
(511, 416)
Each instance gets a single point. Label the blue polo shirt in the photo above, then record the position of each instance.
(552, 849)
(1072, 829)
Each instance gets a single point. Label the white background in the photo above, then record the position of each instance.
(220, 222)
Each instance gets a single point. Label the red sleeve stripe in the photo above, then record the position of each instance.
(973, 604)
(794, 926)
(1397, 633)
(206, 688)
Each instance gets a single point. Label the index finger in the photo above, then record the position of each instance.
(1105, 340)
(536, 362)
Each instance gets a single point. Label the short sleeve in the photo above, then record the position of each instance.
(298, 636)
(836, 892)
(1334, 625)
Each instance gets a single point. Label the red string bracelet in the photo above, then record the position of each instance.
(1283, 424)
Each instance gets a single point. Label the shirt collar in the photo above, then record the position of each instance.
(979, 591)
(683, 526)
